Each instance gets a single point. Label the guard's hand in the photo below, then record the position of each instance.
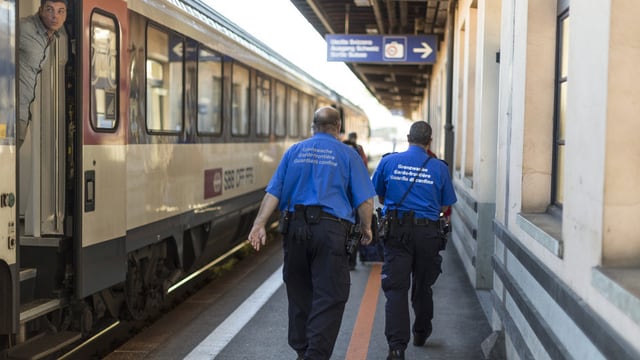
(367, 236)
(257, 237)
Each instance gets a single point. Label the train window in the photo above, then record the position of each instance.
(209, 92)
(305, 115)
(313, 105)
(280, 113)
(165, 69)
(293, 115)
(263, 106)
(104, 72)
(240, 101)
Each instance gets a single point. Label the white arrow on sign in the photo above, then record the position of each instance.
(178, 49)
(425, 50)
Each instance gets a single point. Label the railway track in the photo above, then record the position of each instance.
(114, 334)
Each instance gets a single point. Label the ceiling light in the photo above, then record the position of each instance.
(362, 2)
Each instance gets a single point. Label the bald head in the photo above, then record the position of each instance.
(327, 120)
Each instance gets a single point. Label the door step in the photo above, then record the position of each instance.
(44, 241)
(27, 284)
(37, 308)
(43, 345)
(28, 273)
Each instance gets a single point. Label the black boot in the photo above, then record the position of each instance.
(396, 355)
(420, 338)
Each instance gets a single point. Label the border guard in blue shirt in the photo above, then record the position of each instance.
(415, 189)
(318, 185)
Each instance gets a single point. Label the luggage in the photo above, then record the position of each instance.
(373, 252)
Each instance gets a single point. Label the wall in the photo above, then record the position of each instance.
(562, 275)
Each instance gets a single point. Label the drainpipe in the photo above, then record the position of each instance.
(448, 128)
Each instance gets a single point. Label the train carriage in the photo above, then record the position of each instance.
(155, 129)
(8, 237)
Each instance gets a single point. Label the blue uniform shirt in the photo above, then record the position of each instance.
(322, 171)
(432, 190)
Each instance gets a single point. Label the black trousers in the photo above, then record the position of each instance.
(316, 274)
(410, 259)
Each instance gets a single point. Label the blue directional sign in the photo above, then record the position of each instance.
(399, 49)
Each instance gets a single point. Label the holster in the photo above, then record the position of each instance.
(444, 229)
(354, 238)
(392, 221)
(283, 222)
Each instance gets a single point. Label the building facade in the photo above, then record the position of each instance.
(534, 105)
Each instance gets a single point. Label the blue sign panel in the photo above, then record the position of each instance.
(410, 49)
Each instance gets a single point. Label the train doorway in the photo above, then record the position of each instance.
(44, 253)
(42, 165)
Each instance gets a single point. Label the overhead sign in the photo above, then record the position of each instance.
(177, 49)
(398, 49)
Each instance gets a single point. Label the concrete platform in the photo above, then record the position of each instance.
(244, 316)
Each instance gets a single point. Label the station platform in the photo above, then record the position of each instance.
(243, 316)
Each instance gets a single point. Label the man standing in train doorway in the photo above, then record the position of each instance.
(317, 186)
(37, 33)
(415, 189)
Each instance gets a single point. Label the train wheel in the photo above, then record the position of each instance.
(135, 294)
(86, 319)
(155, 290)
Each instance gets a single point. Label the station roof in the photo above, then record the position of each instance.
(399, 87)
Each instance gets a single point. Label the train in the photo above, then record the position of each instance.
(156, 127)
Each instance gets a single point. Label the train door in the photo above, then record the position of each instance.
(68, 176)
(41, 185)
(103, 99)
(42, 155)
(8, 253)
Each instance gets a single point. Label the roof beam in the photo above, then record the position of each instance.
(386, 85)
(321, 16)
(391, 14)
(376, 11)
(397, 70)
(404, 17)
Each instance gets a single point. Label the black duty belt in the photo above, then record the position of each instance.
(311, 214)
(423, 221)
(408, 218)
(413, 221)
(327, 216)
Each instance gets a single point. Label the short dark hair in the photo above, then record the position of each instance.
(54, 1)
(420, 133)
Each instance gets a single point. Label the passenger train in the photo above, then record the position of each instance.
(156, 127)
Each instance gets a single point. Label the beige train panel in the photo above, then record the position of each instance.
(165, 180)
(108, 220)
(8, 221)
